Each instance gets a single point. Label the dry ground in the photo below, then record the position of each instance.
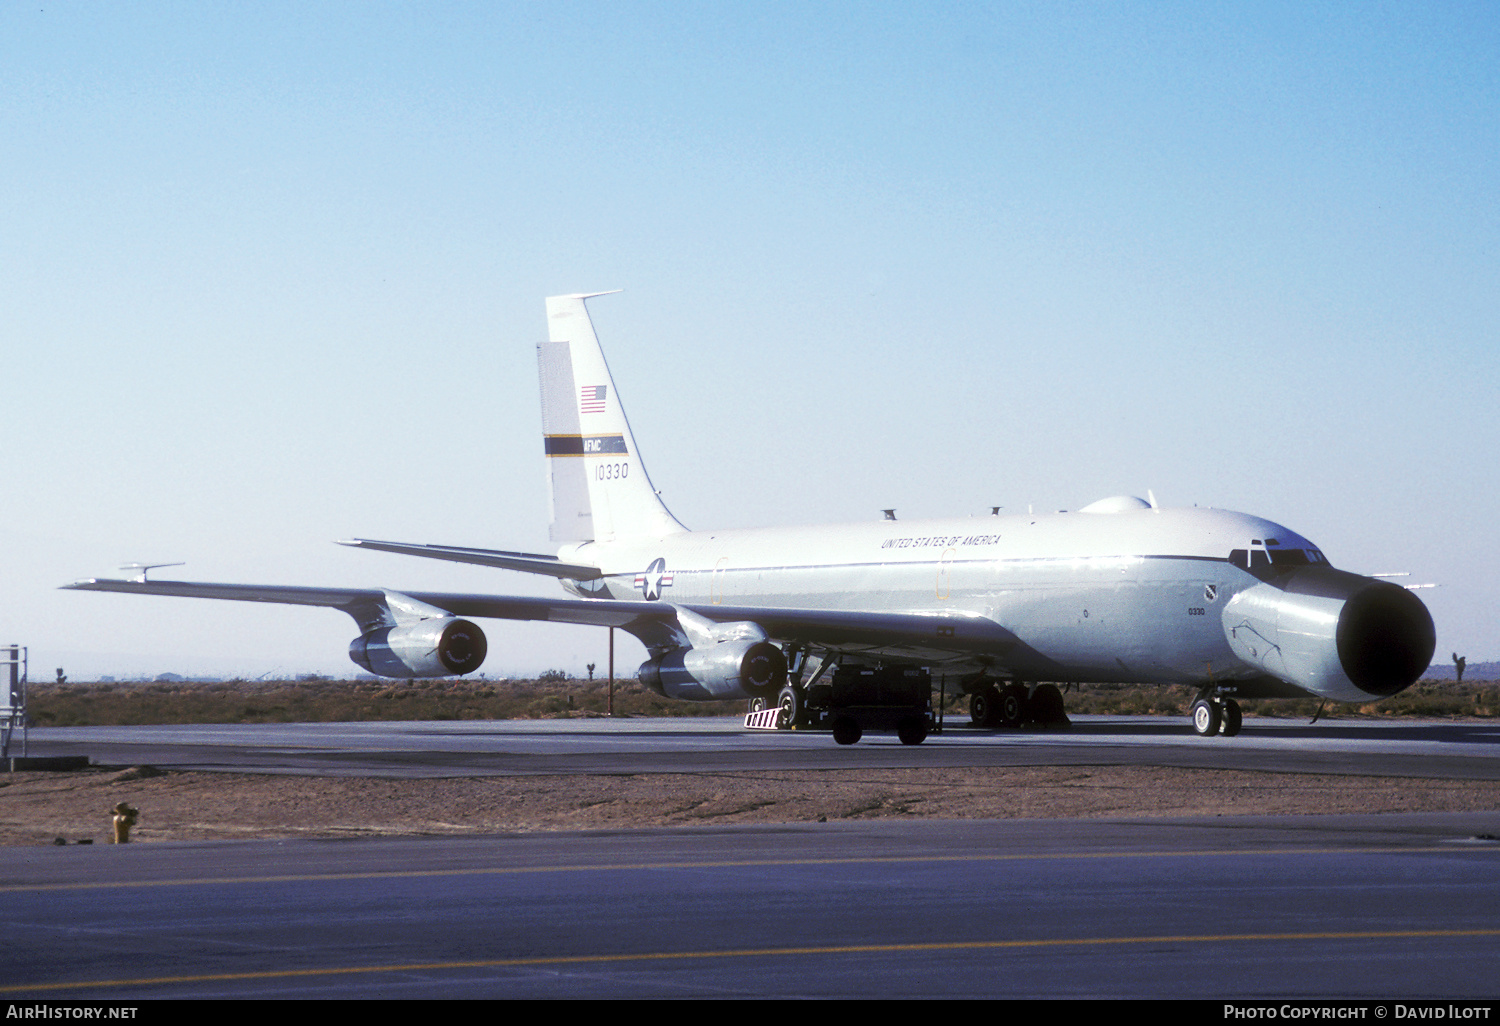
(37, 807)
(330, 701)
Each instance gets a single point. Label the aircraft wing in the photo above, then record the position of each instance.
(930, 636)
(935, 636)
(368, 605)
(526, 562)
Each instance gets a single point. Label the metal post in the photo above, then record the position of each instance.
(9, 712)
(611, 671)
(14, 710)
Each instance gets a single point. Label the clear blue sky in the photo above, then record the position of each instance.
(272, 275)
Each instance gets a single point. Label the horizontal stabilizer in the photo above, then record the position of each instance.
(526, 562)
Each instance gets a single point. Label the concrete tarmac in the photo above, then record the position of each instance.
(1378, 908)
(1392, 908)
(1447, 749)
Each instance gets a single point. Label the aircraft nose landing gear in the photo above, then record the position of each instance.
(1216, 716)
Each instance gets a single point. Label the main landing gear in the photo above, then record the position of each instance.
(1213, 715)
(1016, 704)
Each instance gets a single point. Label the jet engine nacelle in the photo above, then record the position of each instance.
(440, 647)
(731, 669)
(1335, 634)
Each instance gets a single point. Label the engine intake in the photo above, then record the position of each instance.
(440, 647)
(732, 669)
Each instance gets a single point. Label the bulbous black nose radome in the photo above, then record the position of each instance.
(1385, 639)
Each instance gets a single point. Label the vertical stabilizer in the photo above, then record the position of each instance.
(599, 487)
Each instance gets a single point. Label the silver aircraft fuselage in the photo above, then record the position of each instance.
(1139, 595)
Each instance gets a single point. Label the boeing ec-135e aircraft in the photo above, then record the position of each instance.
(843, 625)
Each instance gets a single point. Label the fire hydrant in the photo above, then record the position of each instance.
(125, 818)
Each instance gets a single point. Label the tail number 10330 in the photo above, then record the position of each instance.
(611, 471)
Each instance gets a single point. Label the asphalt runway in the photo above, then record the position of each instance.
(1453, 750)
(1372, 908)
(1390, 908)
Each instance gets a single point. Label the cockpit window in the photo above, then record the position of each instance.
(1260, 560)
(1252, 559)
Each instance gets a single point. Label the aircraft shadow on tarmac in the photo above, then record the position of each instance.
(1092, 727)
(1450, 733)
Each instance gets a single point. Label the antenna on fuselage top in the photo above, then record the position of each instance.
(138, 571)
(890, 514)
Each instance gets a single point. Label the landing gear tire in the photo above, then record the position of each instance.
(793, 709)
(1047, 707)
(1232, 718)
(911, 731)
(757, 704)
(847, 731)
(1014, 705)
(1206, 718)
(984, 708)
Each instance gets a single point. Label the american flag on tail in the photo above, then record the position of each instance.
(591, 398)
